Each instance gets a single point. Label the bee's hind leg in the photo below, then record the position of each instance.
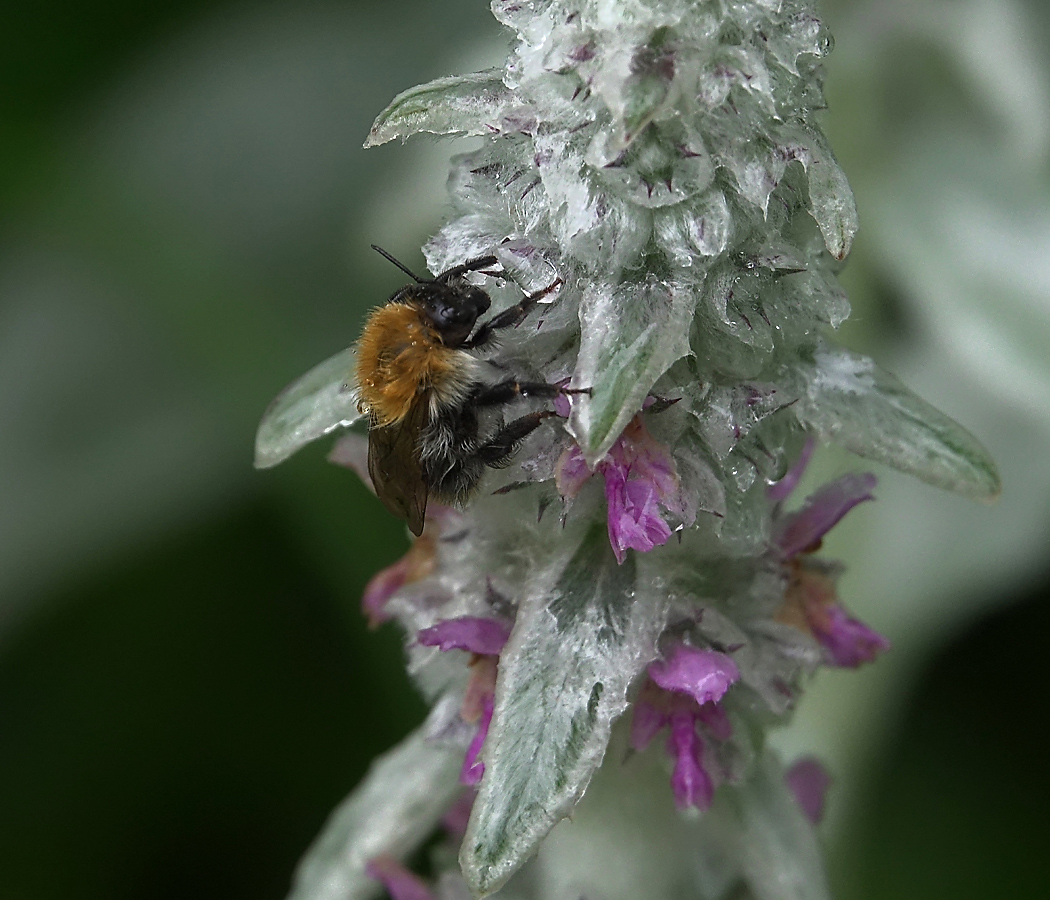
(454, 479)
(498, 449)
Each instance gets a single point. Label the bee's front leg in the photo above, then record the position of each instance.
(509, 317)
(511, 389)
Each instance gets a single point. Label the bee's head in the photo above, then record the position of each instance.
(453, 308)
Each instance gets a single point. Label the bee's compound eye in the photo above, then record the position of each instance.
(443, 314)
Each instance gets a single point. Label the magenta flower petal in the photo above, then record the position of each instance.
(781, 490)
(414, 566)
(653, 464)
(848, 641)
(646, 721)
(571, 472)
(808, 781)
(801, 530)
(473, 768)
(705, 675)
(398, 881)
(643, 500)
(618, 519)
(641, 482)
(382, 586)
(634, 516)
(471, 633)
(691, 784)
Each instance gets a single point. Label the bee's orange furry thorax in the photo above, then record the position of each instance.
(401, 361)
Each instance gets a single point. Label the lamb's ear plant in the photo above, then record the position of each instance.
(640, 570)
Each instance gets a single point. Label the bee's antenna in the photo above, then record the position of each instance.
(399, 264)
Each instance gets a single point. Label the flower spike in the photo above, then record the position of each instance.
(659, 162)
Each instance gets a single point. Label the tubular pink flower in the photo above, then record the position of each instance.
(682, 692)
(808, 781)
(641, 484)
(705, 675)
(691, 784)
(474, 634)
(811, 604)
(398, 881)
(634, 516)
(485, 639)
(801, 531)
(849, 642)
(415, 565)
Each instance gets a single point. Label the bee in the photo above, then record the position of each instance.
(420, 382)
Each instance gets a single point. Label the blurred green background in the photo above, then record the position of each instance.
(186, 685)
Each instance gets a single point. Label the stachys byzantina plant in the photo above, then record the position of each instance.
(662, 159)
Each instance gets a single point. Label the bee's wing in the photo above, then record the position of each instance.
(396, 469)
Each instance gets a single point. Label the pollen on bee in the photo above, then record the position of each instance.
(400, 357)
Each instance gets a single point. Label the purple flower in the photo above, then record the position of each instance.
(848, 641)
(811, 602)
(633, 514)
(474, 634)
(682, 694)
(802, 531)
(485, 639)
(705, 675)
(398, 881)
(691, 784)
(808, 781)
(641, 484)
(415, 565)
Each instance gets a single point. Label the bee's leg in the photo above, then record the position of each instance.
(509, 317)
(499, 448)
(511, 389)
(471, 265)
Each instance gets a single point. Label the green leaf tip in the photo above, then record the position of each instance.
(852, 402)
(459, 104)
(645, 330)
(314, 405)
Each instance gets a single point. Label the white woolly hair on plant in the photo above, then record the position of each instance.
(634, 572)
